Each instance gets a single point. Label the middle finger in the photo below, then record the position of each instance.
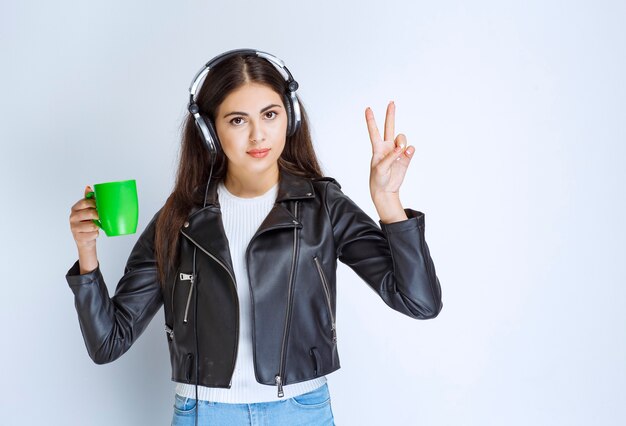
(84, 215)
(390, 120)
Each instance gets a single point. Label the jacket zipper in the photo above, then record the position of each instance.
(219, 262)
(426, 257)
(424, 254)
(327, 294)
(173, 291)
(281, 369)
(187, 277)
(169, 332)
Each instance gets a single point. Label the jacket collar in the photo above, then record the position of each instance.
(290, 187)
(205, 229)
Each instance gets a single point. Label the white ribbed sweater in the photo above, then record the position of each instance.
(242, 217)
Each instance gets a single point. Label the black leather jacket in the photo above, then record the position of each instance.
(291, 262)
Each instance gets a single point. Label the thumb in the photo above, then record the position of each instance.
(88, 190)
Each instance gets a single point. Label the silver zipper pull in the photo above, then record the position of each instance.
(186, 277)
(169, 332)
(279, 383)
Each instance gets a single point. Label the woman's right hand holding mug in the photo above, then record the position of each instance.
(85, 231)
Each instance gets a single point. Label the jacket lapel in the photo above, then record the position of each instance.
(278, 217)
(205, 228)
(290, 188)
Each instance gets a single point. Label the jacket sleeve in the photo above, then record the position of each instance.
(111, 325)
(392, 259)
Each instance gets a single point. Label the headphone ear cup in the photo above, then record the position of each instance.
(213, 133)
(208, 133)
(290, 118)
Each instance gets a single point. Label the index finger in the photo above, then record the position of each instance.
(84, 203)
(371, 126)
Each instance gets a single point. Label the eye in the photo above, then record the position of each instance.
(237, 121)
(271, 114)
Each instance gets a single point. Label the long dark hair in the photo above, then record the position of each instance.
(298, 156)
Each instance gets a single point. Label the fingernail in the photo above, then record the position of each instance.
(409, 151)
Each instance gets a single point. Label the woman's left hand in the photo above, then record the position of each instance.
(391, 156)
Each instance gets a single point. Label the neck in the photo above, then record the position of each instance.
(247, 185)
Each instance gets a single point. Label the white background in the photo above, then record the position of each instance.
(517, 111)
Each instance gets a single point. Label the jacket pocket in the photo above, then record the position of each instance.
(327, 297)
(189, 367)
(317, 362)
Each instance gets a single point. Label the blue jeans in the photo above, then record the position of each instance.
(312, 408)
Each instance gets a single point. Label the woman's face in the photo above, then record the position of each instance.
(251, 124)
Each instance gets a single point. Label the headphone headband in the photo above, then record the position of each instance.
(291, 84)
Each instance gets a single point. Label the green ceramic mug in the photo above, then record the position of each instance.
(117, 206)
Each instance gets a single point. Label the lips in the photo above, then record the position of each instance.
(259, 153)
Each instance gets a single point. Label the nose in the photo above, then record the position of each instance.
(257, 133)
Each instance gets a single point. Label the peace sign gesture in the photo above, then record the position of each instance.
(390, 156)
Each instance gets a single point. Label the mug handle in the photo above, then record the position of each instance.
(89, 195)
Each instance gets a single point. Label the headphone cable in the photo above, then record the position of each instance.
(195, 321)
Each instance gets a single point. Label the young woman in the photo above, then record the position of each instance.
(243, 254)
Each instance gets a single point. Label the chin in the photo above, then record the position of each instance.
(256, 166)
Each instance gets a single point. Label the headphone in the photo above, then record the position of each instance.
(205, 126)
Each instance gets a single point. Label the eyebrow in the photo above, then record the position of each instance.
(246, 114)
